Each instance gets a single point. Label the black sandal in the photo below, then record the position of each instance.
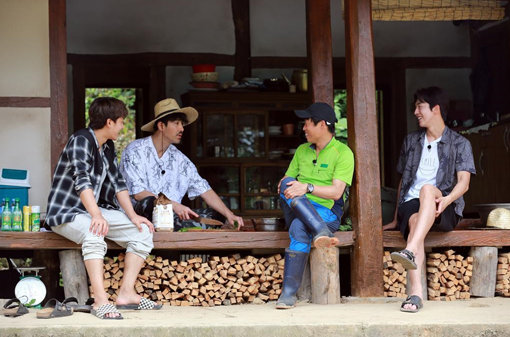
(413, 300)
(72, 302)
(405, 258)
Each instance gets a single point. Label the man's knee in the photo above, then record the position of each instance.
(428, 191)
(283, 184)
(142, 245)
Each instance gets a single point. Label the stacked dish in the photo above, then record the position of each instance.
(204, 77)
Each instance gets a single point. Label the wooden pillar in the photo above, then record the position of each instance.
(324, 265)
(367, 269)
(320, 54)
(58, 78)
(241, 15)
(74, 275)
(485, 265)
(325, 277)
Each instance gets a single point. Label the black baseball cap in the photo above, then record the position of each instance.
(319, 111)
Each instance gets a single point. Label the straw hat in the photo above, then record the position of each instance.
(169, 106)
(499, 218)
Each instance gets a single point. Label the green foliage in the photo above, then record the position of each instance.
(126, 95)
(340, 106)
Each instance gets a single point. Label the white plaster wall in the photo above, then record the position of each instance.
(24, 52)
(133, 26)
(25, 134)
(455, 83)
(24, 69)
(278, 28)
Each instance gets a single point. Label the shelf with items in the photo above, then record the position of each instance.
(250, 135)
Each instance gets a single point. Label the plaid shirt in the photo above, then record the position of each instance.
(455, 154)
(80, 167)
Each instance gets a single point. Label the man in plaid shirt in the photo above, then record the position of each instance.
(85, 203)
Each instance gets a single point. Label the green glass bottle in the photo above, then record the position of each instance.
(6, 216)
(17, 218)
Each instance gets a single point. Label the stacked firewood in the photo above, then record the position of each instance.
(220, 281)
(503, 275)
(448, 276)
(394, 276)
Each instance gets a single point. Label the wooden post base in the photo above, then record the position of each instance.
(485, 264)
(74, 275)
(325, 275)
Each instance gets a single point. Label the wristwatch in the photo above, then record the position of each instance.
(309, 188)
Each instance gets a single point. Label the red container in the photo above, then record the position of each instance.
(204, 68)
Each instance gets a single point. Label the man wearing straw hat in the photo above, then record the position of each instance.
(436, 164)
(153, 164)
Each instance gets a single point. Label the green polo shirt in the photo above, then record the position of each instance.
(335, 161)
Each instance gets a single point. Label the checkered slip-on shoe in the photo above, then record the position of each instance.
(144, 304)
(105, 309)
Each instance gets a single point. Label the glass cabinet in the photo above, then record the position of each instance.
(242, 144)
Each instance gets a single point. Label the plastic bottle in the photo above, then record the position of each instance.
(17, 218)
(26, 218)
(35, 222)
(6, 216)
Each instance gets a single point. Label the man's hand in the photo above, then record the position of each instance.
(138, 220)
(232, 218)
(441, 204)
(183, 212)
(99, 226)
(391, 225)
(295, 189)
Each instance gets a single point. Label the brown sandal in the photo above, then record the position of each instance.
(53, 308)
(14, 308)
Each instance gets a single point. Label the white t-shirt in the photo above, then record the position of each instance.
(427, 170)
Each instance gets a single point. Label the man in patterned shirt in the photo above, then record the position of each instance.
(153, 164)
(436, 164)
(84, 201)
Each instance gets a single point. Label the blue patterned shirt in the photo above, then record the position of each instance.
(455, 154)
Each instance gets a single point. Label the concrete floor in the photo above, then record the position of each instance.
(355, 317)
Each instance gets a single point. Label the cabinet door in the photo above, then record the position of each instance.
(250, 130)
(218, 134)
(261, 187)
(224, 180)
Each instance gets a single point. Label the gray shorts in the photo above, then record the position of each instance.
(122, 231)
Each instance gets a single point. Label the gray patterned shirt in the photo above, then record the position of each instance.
(454, 153)
(143, 171)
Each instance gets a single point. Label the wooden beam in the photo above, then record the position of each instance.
(58, 78)
(320, 50)
(456, 238)
(166, 240)
(24, 102)
(241, 15)
(366, 272)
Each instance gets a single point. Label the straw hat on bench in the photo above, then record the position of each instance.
(499, 218)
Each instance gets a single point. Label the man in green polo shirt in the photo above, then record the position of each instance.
(312, 194)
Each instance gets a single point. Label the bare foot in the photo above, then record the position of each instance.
(128, 298)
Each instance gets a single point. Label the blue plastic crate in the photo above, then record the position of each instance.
(14, 184)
